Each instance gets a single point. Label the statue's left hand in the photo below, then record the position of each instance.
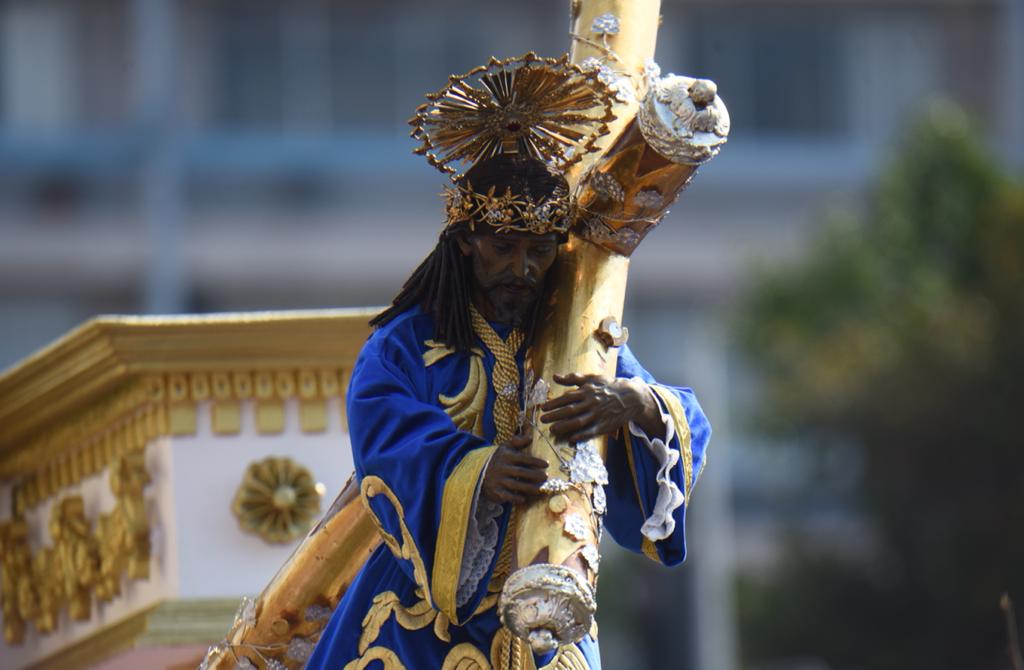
(600, 407)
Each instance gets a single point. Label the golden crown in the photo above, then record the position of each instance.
(547, 109)
(508, 212)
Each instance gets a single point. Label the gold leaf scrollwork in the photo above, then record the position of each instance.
(17, 578)
(76, 555)
(387, 657)
(128, 478)
(416, 616)
(46, 578)
(83, 561)
(277, 500)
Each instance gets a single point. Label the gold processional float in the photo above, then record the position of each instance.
(659, 131)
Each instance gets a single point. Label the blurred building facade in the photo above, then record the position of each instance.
(163, 156)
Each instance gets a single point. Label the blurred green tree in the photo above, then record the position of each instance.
(903, 335)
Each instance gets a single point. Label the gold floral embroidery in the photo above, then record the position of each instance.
(382, 654)
(415, 617)
(418, 615)
(465, 656)
(373, 486)
(466, 408)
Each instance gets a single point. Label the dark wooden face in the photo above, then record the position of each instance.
(508, 272)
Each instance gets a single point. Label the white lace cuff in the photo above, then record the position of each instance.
(660, 524)
(481, 543)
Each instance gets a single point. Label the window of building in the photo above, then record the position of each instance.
(780, 72)
(249, 60)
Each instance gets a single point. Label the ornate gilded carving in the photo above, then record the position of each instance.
(156, 405)
(76, 555)
(128, 478)
(112, 562)
(277, 500)
(82, 562)
(16, 584)
(46, 578)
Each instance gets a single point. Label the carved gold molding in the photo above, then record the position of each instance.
(115, 383)
(92, 401)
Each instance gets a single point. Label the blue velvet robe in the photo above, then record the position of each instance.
(418, 472)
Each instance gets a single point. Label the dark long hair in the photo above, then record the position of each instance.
(441, 284)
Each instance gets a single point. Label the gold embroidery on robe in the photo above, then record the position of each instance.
(510, 653)
(465, 656)
(373, 486)
(418, 615)
(456, 507)
(466, 408)
(382, 654)
(507, 651)
(568, 658)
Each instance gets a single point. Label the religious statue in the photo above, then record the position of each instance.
(499, 421)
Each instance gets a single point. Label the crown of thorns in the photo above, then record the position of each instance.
(508, 212)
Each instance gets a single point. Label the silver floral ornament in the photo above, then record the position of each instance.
(619, 84)
(317, 613)
(299, 649)
(586, 466)
(575, 527)
(555, 486)
(605, 24)
(600, 500)
(648, 197)
(591, 556)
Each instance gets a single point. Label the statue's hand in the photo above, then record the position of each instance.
(513, 476)
(599, 407)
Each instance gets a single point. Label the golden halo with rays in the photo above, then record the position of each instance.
(545, 108)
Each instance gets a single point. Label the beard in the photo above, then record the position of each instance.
(512, 299)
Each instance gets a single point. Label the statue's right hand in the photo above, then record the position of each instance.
(513, 476)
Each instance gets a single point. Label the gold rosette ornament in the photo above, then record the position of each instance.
(277, 500)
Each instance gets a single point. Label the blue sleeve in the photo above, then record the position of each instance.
(633, 488)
